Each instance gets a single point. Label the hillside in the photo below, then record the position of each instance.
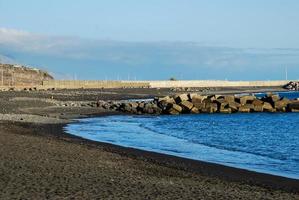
(18, 75)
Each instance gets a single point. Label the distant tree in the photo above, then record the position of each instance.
(173, 79)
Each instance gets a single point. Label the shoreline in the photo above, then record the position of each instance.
(40, 159)
(226, 173)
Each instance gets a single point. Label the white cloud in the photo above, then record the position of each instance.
(26, 41)
(13, 33)
(139, 54)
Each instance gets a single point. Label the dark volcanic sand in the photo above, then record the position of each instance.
(40, 161)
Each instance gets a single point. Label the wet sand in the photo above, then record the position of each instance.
(39, 160)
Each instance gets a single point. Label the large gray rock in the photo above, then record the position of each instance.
(225, 110)
(294, 105)
(134, 104)
(180, 98)
(192, 95)
(148, 108)
(258, 105)
(210, 108)
(198, 99)
(246, 99)
(177, 108)
(187, 106)
(246, 108)
(166, 99)
(173, 111)
(271, 98)
(267, 107)
(229, 98)
(165, 105)
(258, 108)
(194, 110)
(200, 106)
(281, 105)
(257, 102)
(125, 107)
(234, 106)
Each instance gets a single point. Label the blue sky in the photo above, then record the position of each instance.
(235, 23)
(132, 34)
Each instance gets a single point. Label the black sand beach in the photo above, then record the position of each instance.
(40, 161)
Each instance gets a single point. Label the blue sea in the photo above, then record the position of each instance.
(262, 142)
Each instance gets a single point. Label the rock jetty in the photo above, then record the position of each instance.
(292, 86)
(194, 104)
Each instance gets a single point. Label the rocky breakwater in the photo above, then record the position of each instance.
(292, 86)
(194, 104)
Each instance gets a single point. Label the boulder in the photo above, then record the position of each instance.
(198, 99)
(267, 107)
(210, 108)
(148, 108)
(156, 109)
(177, 108)
(292, 86)
(180, 98)
(212, 98)
(166, 99)
(221, 103)
(258, 108)
(225, 110)
(217, 96)
(293, 106)
(234, 106)
(229, 98)
(194, 110)
(172, 111)
(125, 107)
(246, 99)
(187, 106)
(141, 105)
(192, 95)
(244, 109)
(271, 98)
(275, 98)
(257, 102)
(199, 106)
(133, 104)
(257, 105)
(281, 105)
(165, 105)
(100, 103)
(208, 100)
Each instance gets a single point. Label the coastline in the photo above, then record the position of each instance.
(41, 152)
(223, 172)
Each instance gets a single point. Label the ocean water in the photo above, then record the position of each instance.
(289, 95)
(262, 142)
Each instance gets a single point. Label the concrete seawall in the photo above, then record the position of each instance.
(215, 83)
(76, 84)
